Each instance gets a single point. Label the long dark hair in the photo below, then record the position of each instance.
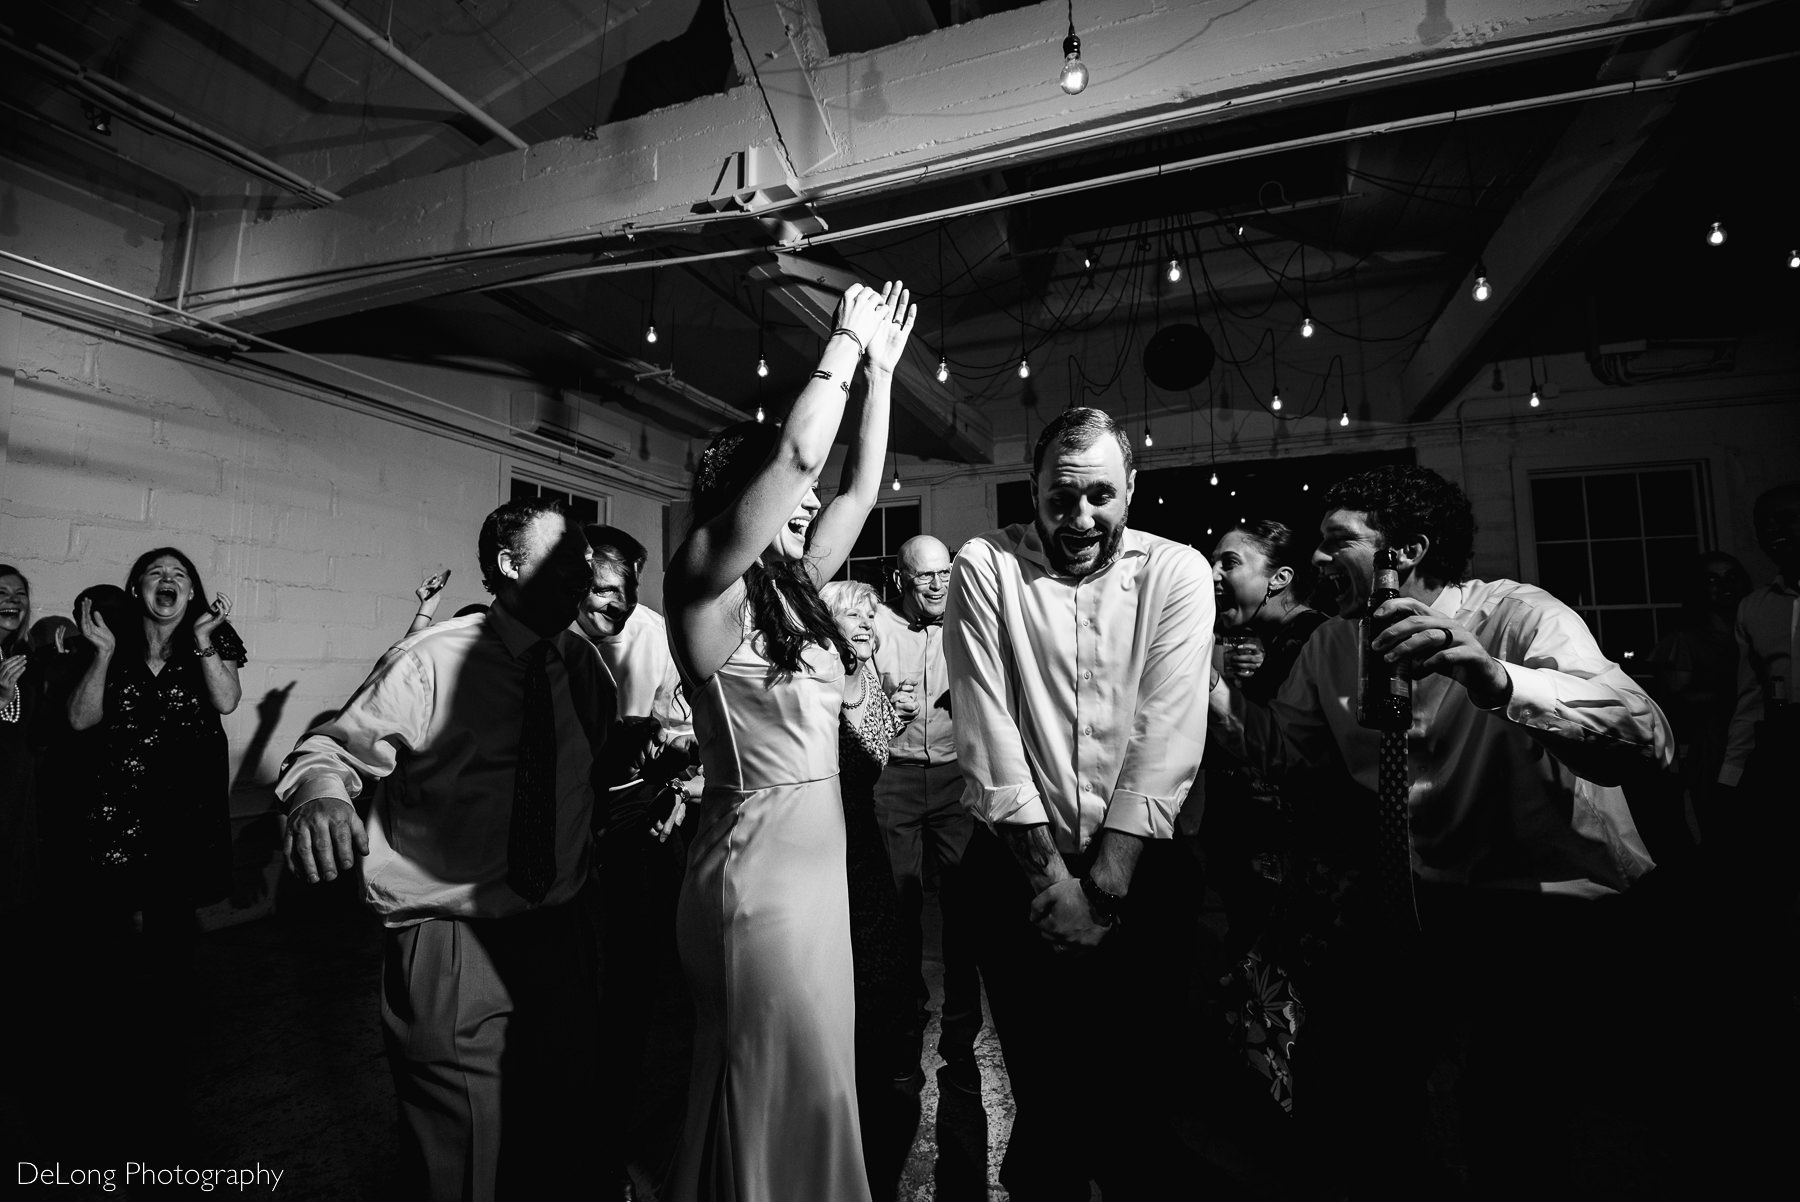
(785, 610)
(20, 639)
(230, 646)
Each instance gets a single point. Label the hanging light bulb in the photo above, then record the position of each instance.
(1306, 326)
(760, 415)
(1482, 289)
(943, 371)
(1215, 478)
(762, 368)
(1275, 401)
(1344, 417)
(1087, 260)
(1024, 368)
(1174, 271)
(1535, 399)
(1306, 488)
(650, 332)
(1716, 235)
(1794, 258)
(1074, 75)
(1148, 441)
(896, 484)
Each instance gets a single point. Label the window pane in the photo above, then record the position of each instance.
(1619, 573)
(523, 490)
(868, 539)
(1669, 503)
(1612, 506)
(872, 572)
(1671, 563)
(1557, 508)
(902, 524)
(1563, 572)
(585, 509)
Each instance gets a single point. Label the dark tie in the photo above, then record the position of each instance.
(1393, 853)
(531, 840)
(922, 623)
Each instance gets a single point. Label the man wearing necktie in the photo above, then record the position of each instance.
(1507, 805)
(486, 731)
(918, 800)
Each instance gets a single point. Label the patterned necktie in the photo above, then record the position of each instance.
(1393, 852)
(531, 838)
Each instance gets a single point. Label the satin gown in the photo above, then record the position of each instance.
(764, 930)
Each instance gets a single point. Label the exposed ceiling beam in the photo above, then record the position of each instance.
(1577, 173)
(810, 291)
(955, 101)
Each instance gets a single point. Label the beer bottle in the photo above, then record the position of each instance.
(1384, 690)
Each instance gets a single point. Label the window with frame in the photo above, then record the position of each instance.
(1618, 545)
(588, 509)
(877, 551)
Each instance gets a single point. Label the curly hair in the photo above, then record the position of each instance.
(784, 605)
(1080, 428)
(1403, 500)
(504, 530)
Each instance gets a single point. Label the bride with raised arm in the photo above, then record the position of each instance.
(764, 923)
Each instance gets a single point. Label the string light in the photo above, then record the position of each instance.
(896, 484)
(1174, 271)
(760, 415)
(1074, 76)
(1148, 441)
(1306, 326)
(1535, 399)
(1794, 258)
(1024, 368)
(1087, 260)
(650, 332)
(1482, 289)
(762, 368)
(1716, 235)
(1305, 487)
(1344, 417)
(1275, 402)
(943, 371)
(1214, 482)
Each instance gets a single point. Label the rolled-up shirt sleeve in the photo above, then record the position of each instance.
(1581, 706)
(1168, 734)
(999, 786)
(391, 710)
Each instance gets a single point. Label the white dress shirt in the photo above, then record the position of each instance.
(1520, 797)
(643, 671)
(1768, 639)
(1080, 703)
(916, 653)
(438, 718)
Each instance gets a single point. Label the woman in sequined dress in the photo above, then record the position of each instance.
(884, 980)
(158, 823)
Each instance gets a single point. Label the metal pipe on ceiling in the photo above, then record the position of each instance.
(163, 119)
(399, 58)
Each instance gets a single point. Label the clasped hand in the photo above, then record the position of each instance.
(1064, 918)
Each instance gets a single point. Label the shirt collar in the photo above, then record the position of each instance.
(1029, 547)
(517, 637)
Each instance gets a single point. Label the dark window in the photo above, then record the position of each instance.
(876, 552)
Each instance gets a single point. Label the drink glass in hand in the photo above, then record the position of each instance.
(1243, 654)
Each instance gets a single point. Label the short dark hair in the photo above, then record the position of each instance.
(1399, 500)
(614, 543)
(1764, 506)
(1080, 428)
(504, 530)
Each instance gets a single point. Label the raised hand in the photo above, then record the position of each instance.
(861, 311)
(215, 613)
(891, 335)
(95, 630)
(432, 585)
(11, 668)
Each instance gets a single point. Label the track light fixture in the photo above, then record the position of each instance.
(1074, 76)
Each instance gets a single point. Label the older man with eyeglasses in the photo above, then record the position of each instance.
(919, 800)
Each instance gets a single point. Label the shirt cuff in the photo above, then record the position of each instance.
(1730, 774)
(315, 786)
(1010, 805)
(1533, 696)
(1141, 815)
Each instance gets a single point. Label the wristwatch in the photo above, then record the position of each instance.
(1106, 906)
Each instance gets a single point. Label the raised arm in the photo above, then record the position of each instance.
(834, 531)
(87, 703)
(703, 585)
(222, 685)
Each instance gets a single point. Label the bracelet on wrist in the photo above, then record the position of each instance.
(847, 332)
(206, 651)
(1106, 906)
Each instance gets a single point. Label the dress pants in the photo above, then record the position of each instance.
(921, 813)
(490, 1028)
(1085, 1036)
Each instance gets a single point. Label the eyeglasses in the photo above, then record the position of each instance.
(942, 576)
